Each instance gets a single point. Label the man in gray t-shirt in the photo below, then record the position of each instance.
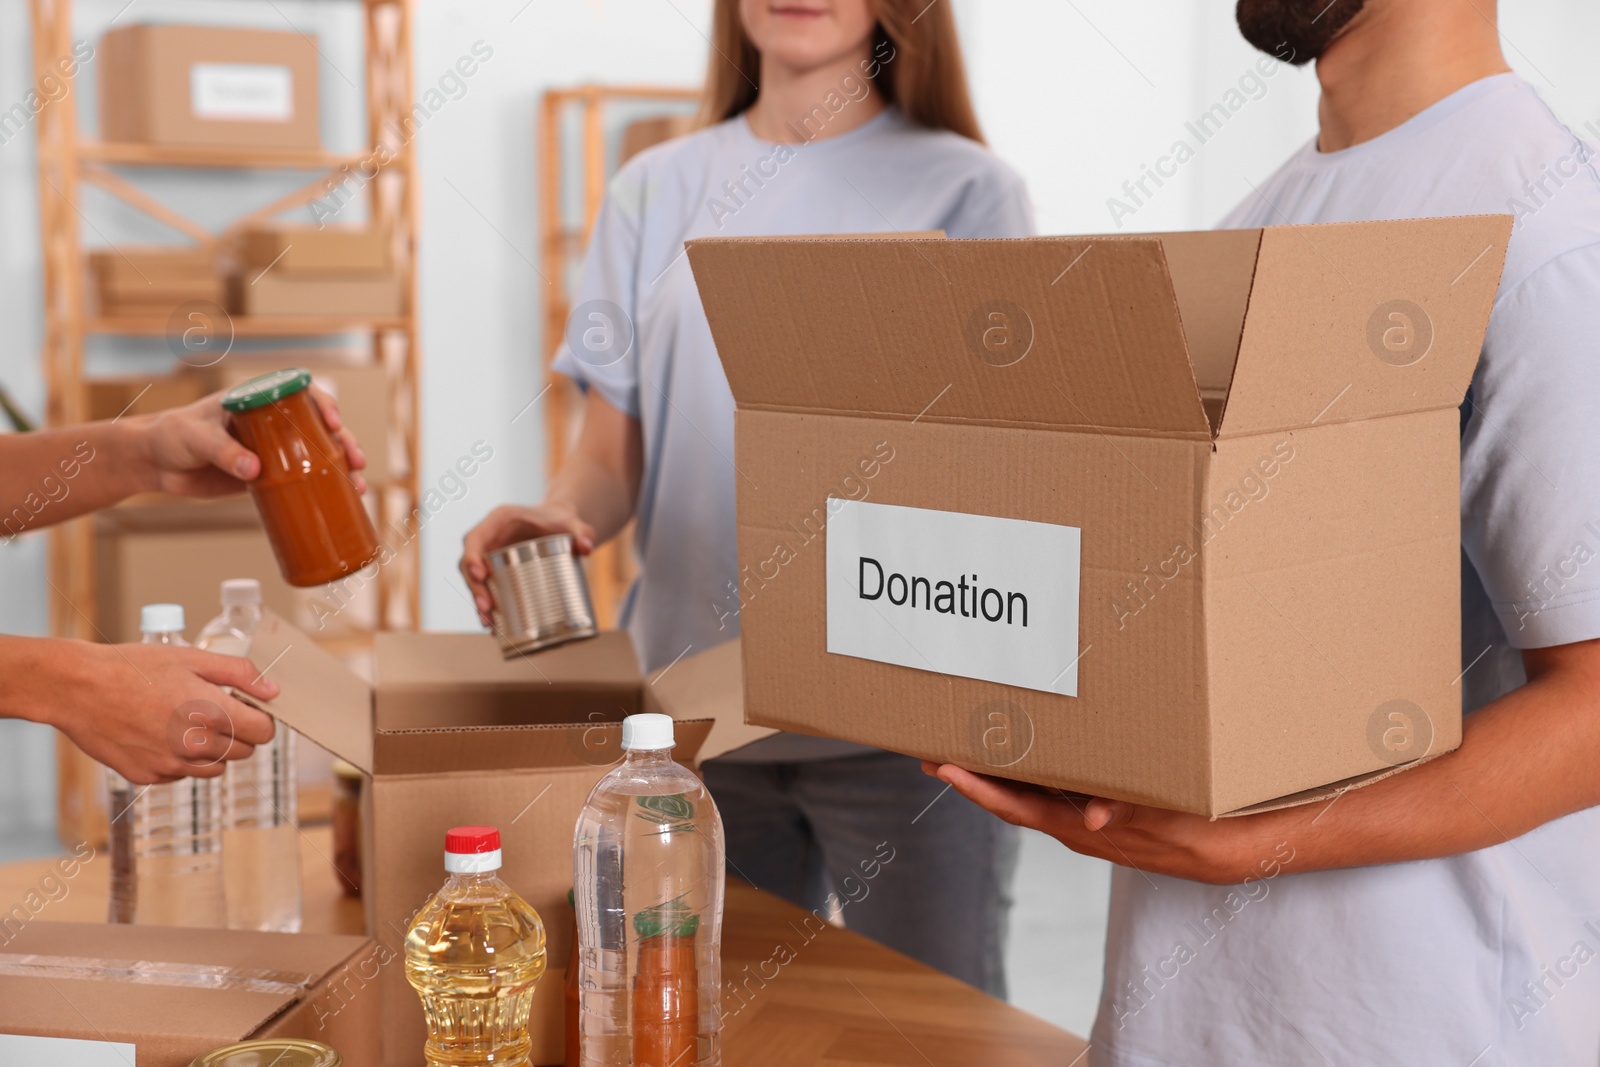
(1449, 915)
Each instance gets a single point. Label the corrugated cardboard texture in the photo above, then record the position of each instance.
(170, 1025)
(1211, 275)
(1250, 597)
(1133, 498)
(594, 680)
(319, 696)
(894, 329)
(145, 88)
(1304, 355)
(707, 685)
(1314, 594)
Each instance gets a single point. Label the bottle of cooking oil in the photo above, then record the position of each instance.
(649, 871)
(474, 954)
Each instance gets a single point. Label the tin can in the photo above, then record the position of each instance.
(273, 1052)
(541, 597)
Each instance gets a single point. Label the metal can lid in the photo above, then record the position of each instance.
(273, 1052)
(258, 392)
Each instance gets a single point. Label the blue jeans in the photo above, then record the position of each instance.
(908, 863)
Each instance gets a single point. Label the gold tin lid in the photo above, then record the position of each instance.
(275, 1052)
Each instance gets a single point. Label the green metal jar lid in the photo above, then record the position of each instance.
(258, 392)
(274, 1052)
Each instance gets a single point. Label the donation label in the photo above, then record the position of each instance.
(241, 92)
(972, 595)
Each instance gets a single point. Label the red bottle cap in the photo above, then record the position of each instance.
(472, 840)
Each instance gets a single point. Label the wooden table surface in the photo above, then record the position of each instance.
(815, 996)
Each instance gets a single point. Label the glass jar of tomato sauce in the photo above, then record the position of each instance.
(314, 517)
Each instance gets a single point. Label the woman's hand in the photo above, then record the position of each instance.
(188, 451)
(507, 525)
(152, 713)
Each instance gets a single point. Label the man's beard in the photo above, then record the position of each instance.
(1295, 31)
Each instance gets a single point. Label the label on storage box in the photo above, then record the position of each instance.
(64, 1052)
(973, 595)
(241, 92)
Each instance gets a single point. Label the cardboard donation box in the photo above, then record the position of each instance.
(141, 394)
(278, 292)
(339, 271)
(153, 280)
(180, 552)
(309, 250)
(1170, 518)
(208, 86)
(452, 734)
(92, 994)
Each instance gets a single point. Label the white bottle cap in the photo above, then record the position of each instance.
(236, 591)
(648, 731)
(161, 619)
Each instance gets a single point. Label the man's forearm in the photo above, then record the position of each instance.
(1524, 760)
(32, 667)
(53, 475)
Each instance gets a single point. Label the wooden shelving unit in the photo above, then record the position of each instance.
(68, 161)
(562, 244)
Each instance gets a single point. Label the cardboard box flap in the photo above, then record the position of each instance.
(1061, 333)
(1351, 321)
(57, 977)
(406, 659)
(540, 746)
(707, 685)
(1330, 792)
(318, 695)
(1212, 273)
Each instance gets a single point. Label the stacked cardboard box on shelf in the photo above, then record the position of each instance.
(116, 395)
(131, 282)
(208, 86)
(180, 552)
(334, 271)
(451, 733)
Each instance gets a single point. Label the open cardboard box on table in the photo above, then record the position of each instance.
(453, 734)
(1194, 498)
(81, 993)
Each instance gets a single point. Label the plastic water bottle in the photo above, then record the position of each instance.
(260, 840)
(166, 840)
(648, 874)
(473, 954)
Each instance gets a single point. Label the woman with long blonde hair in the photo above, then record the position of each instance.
(819, 116)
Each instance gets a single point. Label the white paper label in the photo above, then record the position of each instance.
(972, 595)
(64, 1052)
(241, 92)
